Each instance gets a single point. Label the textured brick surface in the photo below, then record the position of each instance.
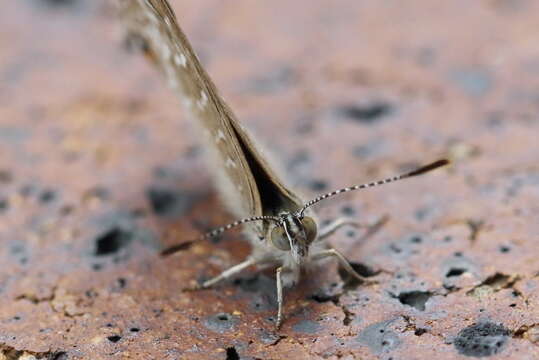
(99, 170)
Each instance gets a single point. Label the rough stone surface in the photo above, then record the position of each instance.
(99, 170)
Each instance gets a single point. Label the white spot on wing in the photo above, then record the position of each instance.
(201, 103)
(230, 163)
(220, 136)
(180, 60)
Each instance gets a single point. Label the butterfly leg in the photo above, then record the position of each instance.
(225, 274)
(342, 260)
(279, 297)
(340, 222)
(337, 224)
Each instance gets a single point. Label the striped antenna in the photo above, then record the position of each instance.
(178, 247)
(419, 171)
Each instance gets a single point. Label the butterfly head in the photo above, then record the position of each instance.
(294, 232)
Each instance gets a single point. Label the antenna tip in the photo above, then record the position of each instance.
(429, 167)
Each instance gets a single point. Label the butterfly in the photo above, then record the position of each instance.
(281, 227)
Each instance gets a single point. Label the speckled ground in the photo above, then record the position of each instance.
(99, 170)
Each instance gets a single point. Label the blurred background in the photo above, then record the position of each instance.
(99, 169)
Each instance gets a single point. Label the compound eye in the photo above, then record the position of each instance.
(279, 239)
(310, 228)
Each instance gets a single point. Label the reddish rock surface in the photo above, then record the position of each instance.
(99, 170)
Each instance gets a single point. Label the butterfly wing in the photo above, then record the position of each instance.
(247, 182)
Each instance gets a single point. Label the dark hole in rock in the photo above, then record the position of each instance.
(455, 272)
(112, 241)
(348, 210)
(497, 280)
(351, 233)
(134, 329)
(223, 317)
(361, 269)
(121, 282)
(483, 339)
(59, 355)
(253, 283)
(47, 196)
(91, 293)
(324, 297)
(420, 331)
(162, 200)
(220, 322)
(366, 114)
(166, 202)
(415, 299)
(448, 238)
(97, 267)
(318, 185)
(214, 240)
(114, 338)
(416, 239)
(422, 213)
(350, 281)
(395, 249)
(232, 354)
(504, 249)
(4, 205)
(458, 254)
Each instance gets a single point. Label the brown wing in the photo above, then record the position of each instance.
(251, 186)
